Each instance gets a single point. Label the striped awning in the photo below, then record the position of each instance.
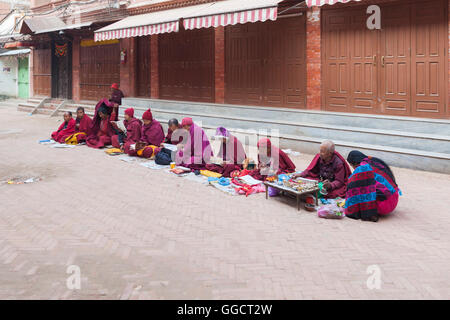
(318, 3)
(231, 12)
(146, 24)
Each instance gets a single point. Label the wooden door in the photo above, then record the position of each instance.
(265, 63)
(429, 47)
(62, 70)
(99, 68)
(186, 61)
(143, 67)
(42, 72)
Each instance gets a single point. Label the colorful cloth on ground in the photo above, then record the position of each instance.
(197, 151)
(65, 130)
(336, 171)
(368, 186)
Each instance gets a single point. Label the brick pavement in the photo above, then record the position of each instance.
(137, 233)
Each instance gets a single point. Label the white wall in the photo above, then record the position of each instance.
(8, 76)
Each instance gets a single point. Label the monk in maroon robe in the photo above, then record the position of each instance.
(331, 168)
(197, 150)
(271, 160)
(66, 129)
(231, 152)
(83, 125)
(116, 100)
(133, 133)
(172, 138)
(152, 135)
(101, 130)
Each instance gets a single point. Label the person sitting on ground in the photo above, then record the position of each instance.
(231, 154)
(133, 127)
(66, 129)
(372, 190)
(108, 106)
(271, 161)
(116, 100)
(172, 138)
(82, 128)
(101, 131)
(331, 168)
(196, 151)
(152, 135)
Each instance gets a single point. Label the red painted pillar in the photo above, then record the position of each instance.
(313, 59)
(154, 67)
(219, 63)
(76, 69)
(127, 69)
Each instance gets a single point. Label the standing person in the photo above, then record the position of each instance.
(116, 100)
(331, 168)
(197, 151)
(271, 160)
(231, 152)
(372, 190)
(101, 131)
(133, 126)
(152, 135)
(66, 129)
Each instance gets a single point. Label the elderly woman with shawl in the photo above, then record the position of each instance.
(372, 190)
(231, 152)
(196, 151)
(271, 160)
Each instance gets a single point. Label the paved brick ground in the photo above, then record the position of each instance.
(136, 233)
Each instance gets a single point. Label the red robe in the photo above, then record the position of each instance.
(100, 135)
(84, 126)
(230, 151)
(134, 127)
(285, 164)
(151, 135)
(65, 130)
(341, 172)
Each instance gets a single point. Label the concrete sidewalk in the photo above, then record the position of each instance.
(137, 233)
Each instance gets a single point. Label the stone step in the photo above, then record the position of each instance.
(405, 124)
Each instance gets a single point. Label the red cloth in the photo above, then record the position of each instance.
(96, 119)
(62, 133)
(151, 134)
(133, 134)
(342, 173)
(285, 164)
(100, 136)
(187, 122)
(115, 86)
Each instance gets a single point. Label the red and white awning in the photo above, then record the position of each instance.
(224, 13)
(318, 3)
(146, 24)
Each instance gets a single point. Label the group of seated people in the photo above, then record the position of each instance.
(370, 191)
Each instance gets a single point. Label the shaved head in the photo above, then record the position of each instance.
(327, 150)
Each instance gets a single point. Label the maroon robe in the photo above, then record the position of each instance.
(171, 140)
(109, 106)
(337, 171)
(133, 134)
(100, 135)
(152, 135)
(65, 130)
(84, 128)
(285, 164)
(197, 151)
(231, 151)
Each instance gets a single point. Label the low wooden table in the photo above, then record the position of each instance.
(297, 194)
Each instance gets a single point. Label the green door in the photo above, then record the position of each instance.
(23, 78)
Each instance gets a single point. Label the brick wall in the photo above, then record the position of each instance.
(313, 59)
(219, 68)
(154, 67)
